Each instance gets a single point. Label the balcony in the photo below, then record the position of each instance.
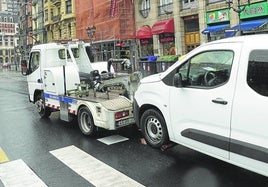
(34, 2)
(165, 9)
(35, 17)
(56, 18)
(54, 2)
(145, 12)
(30, 29)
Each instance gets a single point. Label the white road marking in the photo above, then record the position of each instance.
(91, 169)
(18, 174)
(112, 139)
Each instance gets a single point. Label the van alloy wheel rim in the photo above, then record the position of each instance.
(154, 130)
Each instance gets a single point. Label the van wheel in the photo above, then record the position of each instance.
(43, 111)
(154, 129)
(85, 121)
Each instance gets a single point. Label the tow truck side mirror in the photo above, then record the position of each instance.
(24, 70)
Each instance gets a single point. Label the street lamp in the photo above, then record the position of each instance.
(91, 30)
(240, 8)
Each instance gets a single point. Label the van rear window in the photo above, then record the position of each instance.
(257, 75)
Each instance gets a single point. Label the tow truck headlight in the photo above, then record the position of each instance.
(121, 114)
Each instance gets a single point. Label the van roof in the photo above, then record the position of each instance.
(253, 39)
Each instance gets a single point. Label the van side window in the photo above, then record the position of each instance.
(257, 75)
(34, 61)
(208, 69)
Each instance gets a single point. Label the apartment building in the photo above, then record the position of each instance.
(109, 25)
(59, 19)
(136, 28)
(167, 27)
(8, 32)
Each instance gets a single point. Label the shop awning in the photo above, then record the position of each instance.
(166, 26)
(144, 32)
(246, 26)
(215, 28)
(250, 25)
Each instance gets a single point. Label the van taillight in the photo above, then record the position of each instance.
(121, 114)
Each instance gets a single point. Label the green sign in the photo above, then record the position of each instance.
(255, 10)
(218, 16)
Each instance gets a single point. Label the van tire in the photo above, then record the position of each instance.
(86, 122)
(154, 129)
(43, 111)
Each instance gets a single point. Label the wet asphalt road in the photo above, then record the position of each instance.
(23, 135)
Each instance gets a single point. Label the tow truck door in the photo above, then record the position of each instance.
(34, 73)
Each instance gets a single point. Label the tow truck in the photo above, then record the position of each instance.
(61, 78)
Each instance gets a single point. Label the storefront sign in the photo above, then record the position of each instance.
(255, 10)
(218, 16)
(166, 37)
(146, 41)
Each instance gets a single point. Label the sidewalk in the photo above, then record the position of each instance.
(11, 74)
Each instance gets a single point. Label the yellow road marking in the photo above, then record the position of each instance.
(3, 156)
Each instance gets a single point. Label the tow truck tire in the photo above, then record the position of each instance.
(86, 122)
(43, 111)
(154, 129)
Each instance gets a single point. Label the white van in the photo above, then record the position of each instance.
(214, 100)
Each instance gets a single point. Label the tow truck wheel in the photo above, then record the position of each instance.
(85, 121)
(43, 111)
(154, 129)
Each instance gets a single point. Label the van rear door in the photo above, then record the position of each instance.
(249, 135)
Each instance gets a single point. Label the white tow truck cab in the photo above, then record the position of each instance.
(214, 100)
(61, 78)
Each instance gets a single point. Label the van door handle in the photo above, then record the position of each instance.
(219, 101)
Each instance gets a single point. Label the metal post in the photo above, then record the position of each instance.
(238, 10)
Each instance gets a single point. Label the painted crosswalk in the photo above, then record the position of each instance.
(93, 170)
(18, 174)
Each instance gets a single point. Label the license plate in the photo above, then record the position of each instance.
(125, 122)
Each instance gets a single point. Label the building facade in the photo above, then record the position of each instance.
(25, 28)
(8, 33)
(136, 28)
(59, 19)
(113, 23)
(39, 33)
(167, 27)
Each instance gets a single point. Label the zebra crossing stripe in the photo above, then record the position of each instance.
(17, 173)
(91, 169)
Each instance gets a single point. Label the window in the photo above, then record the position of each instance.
(6, 40)
(166, 7)
(62, 54)
(68, 6)
(189, 4)
(46, 15)
(205, 70)
(257, 75)
(144, 8)
(165, 2)
(12, 40)
(34, 61)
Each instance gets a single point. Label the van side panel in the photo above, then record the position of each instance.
(249, 129)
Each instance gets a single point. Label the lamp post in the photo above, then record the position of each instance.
(240, 8)
(91, 30)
